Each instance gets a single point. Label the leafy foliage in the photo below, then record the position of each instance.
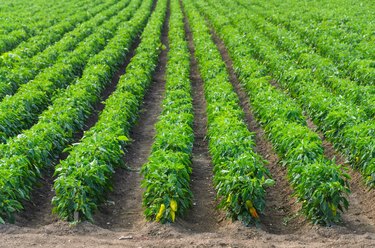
(167, 173)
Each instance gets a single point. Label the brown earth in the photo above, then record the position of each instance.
(60, 234)
(123, 209)
(203, 216)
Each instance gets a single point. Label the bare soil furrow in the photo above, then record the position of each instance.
(281, 213)
(123, 209)
(203, 216)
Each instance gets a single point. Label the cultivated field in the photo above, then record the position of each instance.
(187, 123)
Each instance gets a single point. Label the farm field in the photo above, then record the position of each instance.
(187, 123)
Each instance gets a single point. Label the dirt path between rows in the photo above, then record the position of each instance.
(123, 210)
(203, 216)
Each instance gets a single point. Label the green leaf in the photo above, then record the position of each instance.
(123, 138)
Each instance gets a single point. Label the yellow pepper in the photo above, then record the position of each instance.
(229, 199)
(160, 213)
(249, 204)
(173, 215)
(173, 205)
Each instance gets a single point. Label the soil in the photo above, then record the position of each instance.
(235, 234)
(203, 216)
(120, 222)
(38, 212)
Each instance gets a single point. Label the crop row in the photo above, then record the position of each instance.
(346, 125)
(20, 111)
(17, 69)
(85, 176)
(12, 39)
(319, 184)
(240, 177)
(167, 173)
(25, 157)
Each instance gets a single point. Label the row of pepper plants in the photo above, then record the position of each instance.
(348, 126)
(61, 11)
(167, 173)
(84, 178)
(20, 111)
(25, 157)
(319, 184)
(240, 176)
(19, 66)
